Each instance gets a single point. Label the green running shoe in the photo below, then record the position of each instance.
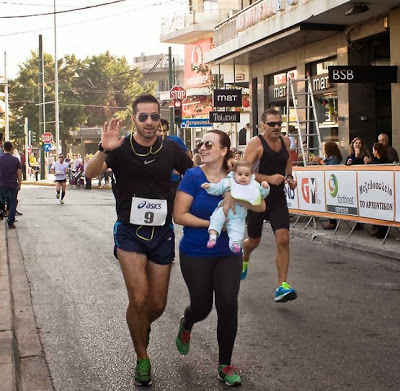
(228, 375)
(62, 202)
(148, 337)
(143, 372)
(244, 270)
(183, 339)
(58, 196)
(285, 293)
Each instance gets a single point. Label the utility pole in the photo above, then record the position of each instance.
(26, 148)
(41, 109)
(57, 109)
(7, 124)
(171, 109)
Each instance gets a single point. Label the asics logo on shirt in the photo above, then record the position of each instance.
(149, 205)
(149, 161)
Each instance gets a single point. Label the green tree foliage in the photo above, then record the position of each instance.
(90, 92)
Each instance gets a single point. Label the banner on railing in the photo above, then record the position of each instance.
(365, 192)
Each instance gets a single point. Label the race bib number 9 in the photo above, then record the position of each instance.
(146, 211)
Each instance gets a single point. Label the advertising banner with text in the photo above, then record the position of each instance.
(376, 194)
(397, 187)
(311, 190)
(292, 199)
(341, 192)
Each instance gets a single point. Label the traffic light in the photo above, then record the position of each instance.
(178, 111)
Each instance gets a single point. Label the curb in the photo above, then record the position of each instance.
(9, 353)
(22, 362)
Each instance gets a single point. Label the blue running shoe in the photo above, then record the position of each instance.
(285, 293)
(244, 270)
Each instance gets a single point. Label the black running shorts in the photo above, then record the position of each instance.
(277, 214)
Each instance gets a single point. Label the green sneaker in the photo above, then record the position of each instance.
(245, 266)
(148, 337)
(285, 293)
(58, 196)
(183, 339)
(228, 375)
(143, 372)
(62, 202)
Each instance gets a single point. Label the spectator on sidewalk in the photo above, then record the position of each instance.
(391, 153)
(358, 153)
(10, 182)
(50, 162)
(34, 165)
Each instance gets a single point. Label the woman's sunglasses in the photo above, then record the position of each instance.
(208, 145)
(142, 117)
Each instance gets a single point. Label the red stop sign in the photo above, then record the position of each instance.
(177, 93)
(47, 137)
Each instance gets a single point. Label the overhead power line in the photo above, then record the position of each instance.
(63, 12)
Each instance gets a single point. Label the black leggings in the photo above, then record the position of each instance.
(203, 277)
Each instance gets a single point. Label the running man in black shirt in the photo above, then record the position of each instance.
(143, 234)
(271, 150)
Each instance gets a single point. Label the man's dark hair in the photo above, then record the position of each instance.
(144, 98)
(164, 122)
(8, 146)
(1, 137)
(268, 112)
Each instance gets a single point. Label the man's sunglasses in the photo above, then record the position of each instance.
(273, 123)
(143, 117)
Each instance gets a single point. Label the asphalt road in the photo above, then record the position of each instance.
(342, 333)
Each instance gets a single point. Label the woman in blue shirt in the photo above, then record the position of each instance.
(208, 271)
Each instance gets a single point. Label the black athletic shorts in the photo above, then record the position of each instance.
(158, 243)
(61, 180)
(277, 213)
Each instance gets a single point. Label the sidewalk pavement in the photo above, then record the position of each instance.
(22, 363)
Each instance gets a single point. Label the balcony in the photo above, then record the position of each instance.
(182, 29)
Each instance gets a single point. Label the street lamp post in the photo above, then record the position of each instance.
(57, 109)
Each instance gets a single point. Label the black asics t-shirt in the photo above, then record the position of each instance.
(143, 174)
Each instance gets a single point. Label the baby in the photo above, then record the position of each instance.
(243, 186)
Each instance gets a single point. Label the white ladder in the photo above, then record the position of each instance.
(307, 126)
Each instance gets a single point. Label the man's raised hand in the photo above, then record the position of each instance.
(111, 138)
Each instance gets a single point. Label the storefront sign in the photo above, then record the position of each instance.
(321, 83)
(376, 195)
(224, 116)
(194, 60)
(311, 190)
(258, 12)
(227, 98)
(341, 194)
(362, 74)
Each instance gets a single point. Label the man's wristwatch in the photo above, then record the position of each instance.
(101, 149)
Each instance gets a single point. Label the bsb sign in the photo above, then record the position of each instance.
(362, 74)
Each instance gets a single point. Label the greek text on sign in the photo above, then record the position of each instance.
(227, 98)
(177, 93)
(376, 195)
(224, 116)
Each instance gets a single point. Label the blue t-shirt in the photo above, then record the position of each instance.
(176, 177)
(194, 240)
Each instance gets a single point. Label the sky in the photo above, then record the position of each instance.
(125, 28)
